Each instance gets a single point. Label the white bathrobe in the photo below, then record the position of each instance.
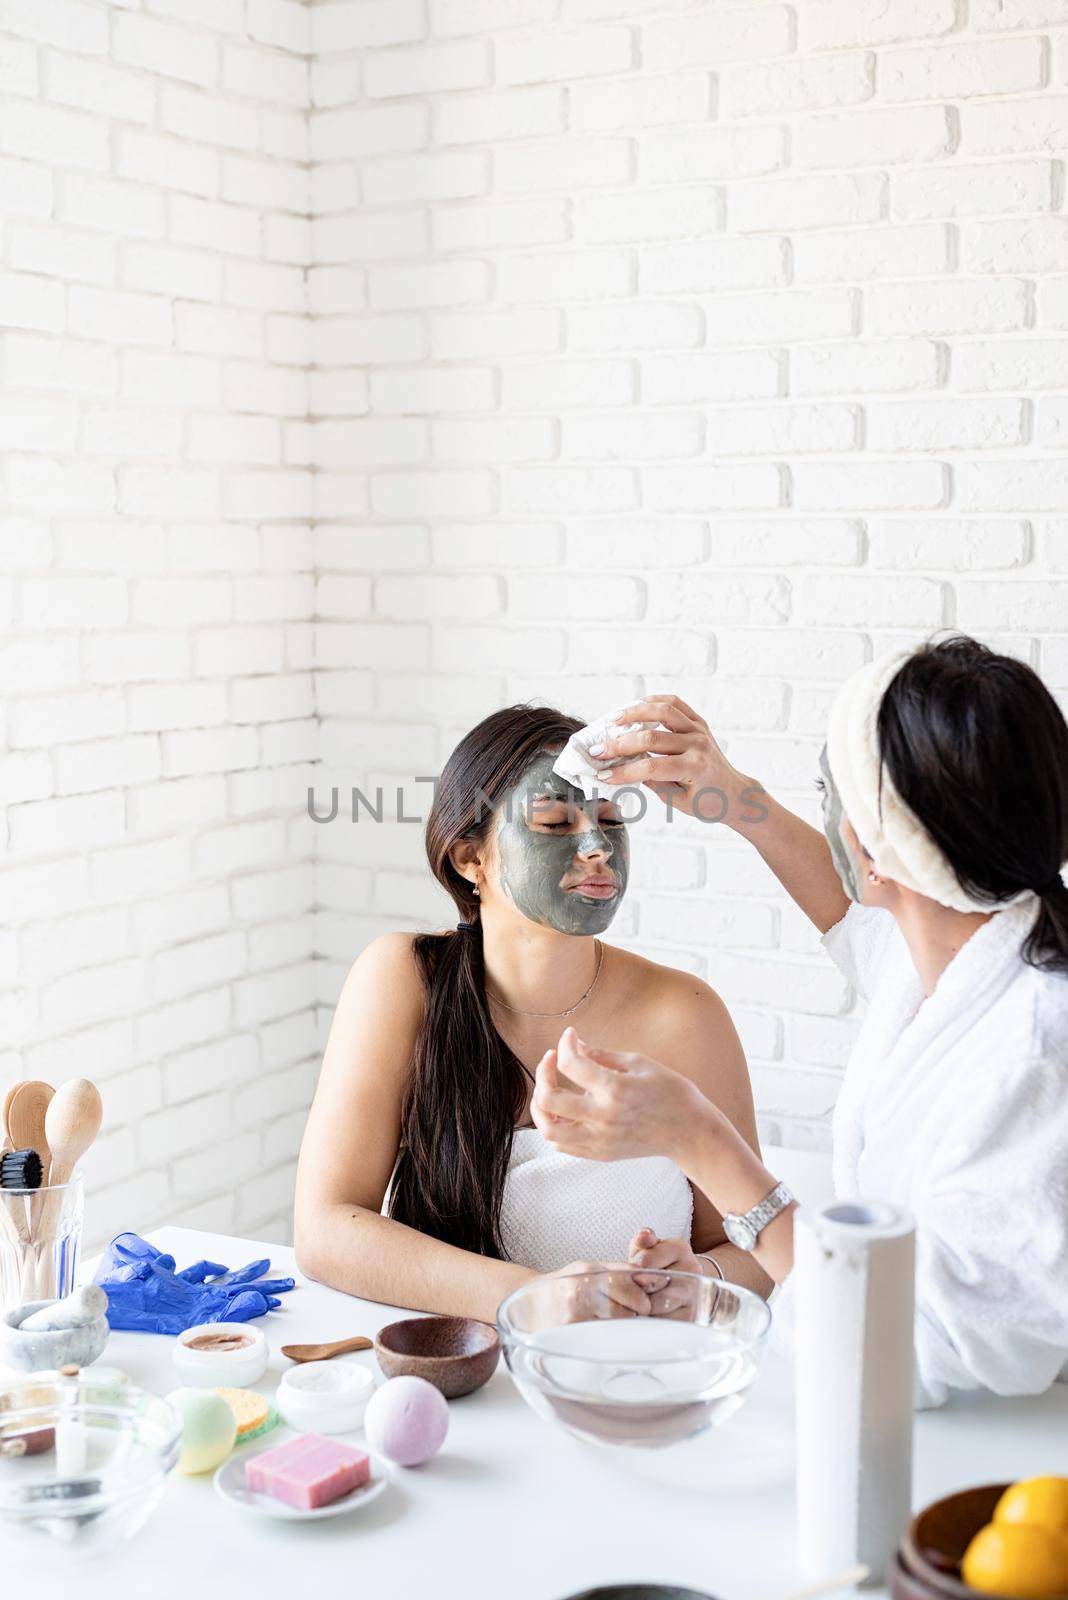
(956, 1105)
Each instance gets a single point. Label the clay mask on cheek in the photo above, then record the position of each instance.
(535, 863)
(845, 865)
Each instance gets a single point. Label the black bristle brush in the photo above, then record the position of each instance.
(20, 1169)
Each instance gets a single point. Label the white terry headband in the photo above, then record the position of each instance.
(899, 844)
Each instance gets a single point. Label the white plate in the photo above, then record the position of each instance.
(230, 1485)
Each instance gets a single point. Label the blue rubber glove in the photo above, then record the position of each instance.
(146, 1294)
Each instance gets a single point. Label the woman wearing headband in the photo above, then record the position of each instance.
(938, 892)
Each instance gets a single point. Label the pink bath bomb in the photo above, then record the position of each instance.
(407, 1420)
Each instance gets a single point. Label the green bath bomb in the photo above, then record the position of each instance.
(209, 1429)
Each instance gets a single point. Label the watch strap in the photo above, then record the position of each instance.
(765, 1211)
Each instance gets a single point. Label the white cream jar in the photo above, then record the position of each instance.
(221, 1355)
(325, 1396)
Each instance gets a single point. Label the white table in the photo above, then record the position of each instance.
(513, 1508)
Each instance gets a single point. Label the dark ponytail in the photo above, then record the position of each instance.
(466, 1088)
(977, 748)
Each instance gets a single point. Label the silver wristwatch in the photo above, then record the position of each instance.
(744, 1231)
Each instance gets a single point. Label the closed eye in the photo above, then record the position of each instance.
(604, 822)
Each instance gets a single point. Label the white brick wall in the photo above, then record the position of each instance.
(367, 364)
(159, 711)
(730, 343)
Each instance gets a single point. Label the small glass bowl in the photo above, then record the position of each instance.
(81, 1463)
(583, 1356)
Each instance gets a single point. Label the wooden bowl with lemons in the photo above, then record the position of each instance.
(1004, 1541)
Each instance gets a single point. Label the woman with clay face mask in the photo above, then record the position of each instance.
(429, 1069)
(938, 891)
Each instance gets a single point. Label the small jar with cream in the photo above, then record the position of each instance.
(325, 1396)
(221, 1355)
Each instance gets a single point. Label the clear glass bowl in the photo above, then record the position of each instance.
(102, 1473)
(630, 1357)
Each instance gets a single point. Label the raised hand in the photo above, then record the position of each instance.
(622, 1104)
(680, 761)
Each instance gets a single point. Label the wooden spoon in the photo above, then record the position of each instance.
(841, 1580)
(25, 1114)
(72, 1122)
(3, 1115)
(71, 1125)
(323, 1352)
(8, 1218)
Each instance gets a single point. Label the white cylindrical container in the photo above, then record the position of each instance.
(853, 1285)
(325, 1396)
(221, 1355)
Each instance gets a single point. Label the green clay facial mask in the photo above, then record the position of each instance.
(551, 842)
(833, 814)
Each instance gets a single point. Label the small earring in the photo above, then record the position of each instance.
(474, 889)
(872, 878)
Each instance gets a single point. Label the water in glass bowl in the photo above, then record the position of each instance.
(642, 1381)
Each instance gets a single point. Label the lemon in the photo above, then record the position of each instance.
(1012, 1558)
(1040, 1502)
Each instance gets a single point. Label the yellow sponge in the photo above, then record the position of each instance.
(250, 1410)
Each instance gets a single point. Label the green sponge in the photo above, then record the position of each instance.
(270, 1421)
(253, 1413)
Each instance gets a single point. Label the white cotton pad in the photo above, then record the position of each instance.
(575, 764)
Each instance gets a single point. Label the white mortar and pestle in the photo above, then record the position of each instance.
(44, 1335)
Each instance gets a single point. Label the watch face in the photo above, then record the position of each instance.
(740, 1232)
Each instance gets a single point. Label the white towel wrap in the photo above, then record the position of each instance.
(898, 843)
(559, 1208)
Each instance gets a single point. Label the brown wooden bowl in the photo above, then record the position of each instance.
(904, 1585)
(927, 1566)
(456, 1354)
(938, 1536)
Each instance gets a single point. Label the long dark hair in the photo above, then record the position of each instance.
(978, 749)
(467, 1087)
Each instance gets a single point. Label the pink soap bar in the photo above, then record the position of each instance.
(308, 1472)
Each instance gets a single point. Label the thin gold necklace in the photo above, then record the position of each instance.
(520, 1012)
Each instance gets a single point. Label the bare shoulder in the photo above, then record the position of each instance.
(389, 952)
(674, 997)
(386, 971)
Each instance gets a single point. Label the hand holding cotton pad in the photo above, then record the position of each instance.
(577, 766)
